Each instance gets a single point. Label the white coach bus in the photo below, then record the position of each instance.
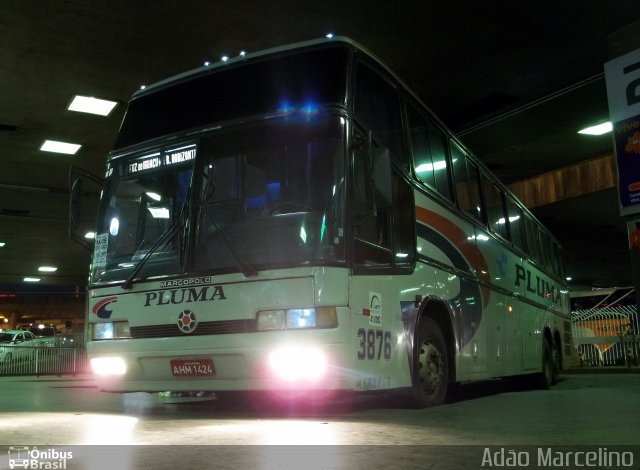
(296, 219)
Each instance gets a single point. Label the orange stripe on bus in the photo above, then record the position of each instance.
(459, 239)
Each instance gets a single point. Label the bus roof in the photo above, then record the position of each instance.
(224, 63)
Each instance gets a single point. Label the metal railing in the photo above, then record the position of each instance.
(18, 359)
(606, 336)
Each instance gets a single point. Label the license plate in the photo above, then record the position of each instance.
(192, 367)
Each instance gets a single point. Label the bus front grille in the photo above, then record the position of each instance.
(205, 328)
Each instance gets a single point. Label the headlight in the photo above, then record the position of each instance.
(295, 318)
(295, 363)
(108, 366)
(109, 330)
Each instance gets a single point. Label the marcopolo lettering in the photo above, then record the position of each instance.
(537, 285)
(179, 296)
(193, 281)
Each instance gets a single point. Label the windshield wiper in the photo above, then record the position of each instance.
(243, 263)
(169, 233)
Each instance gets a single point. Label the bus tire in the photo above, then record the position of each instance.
(548, 376)
(557, 363)
(431, 373)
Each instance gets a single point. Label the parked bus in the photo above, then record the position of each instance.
(297, 219)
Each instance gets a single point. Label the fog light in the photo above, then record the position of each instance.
(298, 363)
(271, 320)
(301, 318)
(108, 366)
(297, 318)
(110, 330)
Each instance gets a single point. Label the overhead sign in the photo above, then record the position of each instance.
(162, 159)
(623, 94)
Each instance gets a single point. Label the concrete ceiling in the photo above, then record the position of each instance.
(516, 79)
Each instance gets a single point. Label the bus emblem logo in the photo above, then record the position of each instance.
(187, 321)
(101, 310)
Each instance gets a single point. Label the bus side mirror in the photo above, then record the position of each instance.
(75, 203)
(77, 224)
(381, 163)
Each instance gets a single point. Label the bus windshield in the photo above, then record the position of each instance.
(272, 195)
(269, 195)
(143, 199)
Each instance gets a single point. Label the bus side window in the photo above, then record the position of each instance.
(370, 223)
(377, 106)
(404, 223)
(558, 258)
(533, 241)
(430, 161)
(516, 225)
(467, 183)
(496, 213)
(547, 251)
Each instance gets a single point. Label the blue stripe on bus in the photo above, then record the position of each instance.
(467, 305)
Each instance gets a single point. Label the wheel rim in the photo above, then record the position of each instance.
(431, 368)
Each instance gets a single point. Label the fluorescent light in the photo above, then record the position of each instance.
(31, 279)
(438, 165)
(87, 104)
(47, 269)
(90, 235)
(59, 147)
(597, 130)
(159, 212)
(2, 244)
(154, 196)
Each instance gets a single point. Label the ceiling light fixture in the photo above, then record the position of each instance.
(60, 147)
(47, 269)
(2, 244)
(31, 279)
(598, 129)
(90, 235)
(87, 104)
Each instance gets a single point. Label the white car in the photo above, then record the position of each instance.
(16, 345)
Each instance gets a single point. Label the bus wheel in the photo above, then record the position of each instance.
(548, 376)
(431, 371)
(557, 364)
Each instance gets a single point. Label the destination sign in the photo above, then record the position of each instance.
(162, 159)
